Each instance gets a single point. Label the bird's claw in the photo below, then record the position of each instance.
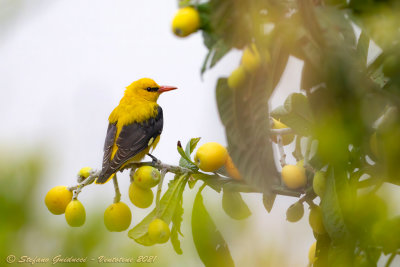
(154, 159)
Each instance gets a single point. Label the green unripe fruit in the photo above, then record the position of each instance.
(117, 217)
(295, 212)
(319, 183)
(75, 213)
(315, 220)
(159, 231)
(146, 177)
(140, 197)
(57, 199)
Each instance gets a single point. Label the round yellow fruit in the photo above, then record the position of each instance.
(315, 220)
(231, 169)
(319, 183)
(146, 177)
(286, 138)
(251, 58)
(186, 21)
(140, 197)
(84, 172)
(311, 252)
(211, 156)
(159, 231)
(237, 77)
(117, 217)
(75, 213)
(57, 199)
(294, 176)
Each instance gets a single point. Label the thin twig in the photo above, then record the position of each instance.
(159, 165)
(78, 188)
(307, 152)
(117, 197)
(131, 174)
(281, 151)
(164, 168)
(159, 187)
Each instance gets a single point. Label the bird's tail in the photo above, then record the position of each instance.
(104, 177)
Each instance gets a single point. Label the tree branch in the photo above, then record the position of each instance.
(164, 168)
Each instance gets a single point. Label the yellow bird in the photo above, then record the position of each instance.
(134, 127)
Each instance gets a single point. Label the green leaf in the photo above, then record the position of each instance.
(244, 113)
(217, 50)
(295, 113)
(205, 62)
(191, 145)
(220, 50)
(234, 205)
(165, 211)
(334, 204)
(212, 181)
(185, 160)
(218, 183)
(192, 182)
(176, 226)
(268, 201)
(362, 48)
(210, 244)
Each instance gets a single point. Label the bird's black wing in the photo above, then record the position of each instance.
(132, 139)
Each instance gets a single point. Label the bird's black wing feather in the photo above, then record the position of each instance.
(132, 139)
(108, 143)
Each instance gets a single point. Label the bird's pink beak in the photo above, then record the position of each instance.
(166, 88)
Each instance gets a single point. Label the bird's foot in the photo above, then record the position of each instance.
(154, 159)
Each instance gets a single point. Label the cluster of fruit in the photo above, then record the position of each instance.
(118, 216)
(210, 157)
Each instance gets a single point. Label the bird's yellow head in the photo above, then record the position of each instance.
(146, 89)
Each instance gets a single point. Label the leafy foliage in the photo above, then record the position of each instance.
(169, 203)
(248, 146)
(210, 244)
(234, 206)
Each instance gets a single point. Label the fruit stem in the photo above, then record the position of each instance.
(117, 197)
(159, 187)
(131, 173)
(281, 151)
(307, 152)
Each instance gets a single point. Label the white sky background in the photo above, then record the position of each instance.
(63, 68)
